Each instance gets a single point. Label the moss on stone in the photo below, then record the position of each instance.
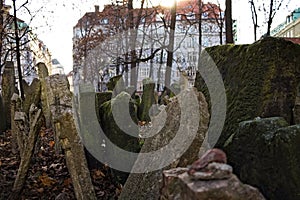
(116, 84)
(260, 80)
(32, 94)
(113, 131)
(148, 99)
(265, 153)
(101, 98)
(2, 117)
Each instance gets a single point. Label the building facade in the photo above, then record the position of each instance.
(110, 42)
(32, 49)
(290, 28)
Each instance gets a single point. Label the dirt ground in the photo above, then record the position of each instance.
(48, 176)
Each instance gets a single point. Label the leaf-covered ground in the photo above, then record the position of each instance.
(48, 176)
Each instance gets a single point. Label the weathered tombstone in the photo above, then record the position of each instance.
(117, 125)
(2, 116)
(116, 84)
(101, 98)
(180, 120)
(43, 73)
(260, 80)
(89, 103)
(27, 132)
(32, 94)
(148, 100)
(265, 153)
(296, 109)
(59, 97)
(8, 89)
(16, 107)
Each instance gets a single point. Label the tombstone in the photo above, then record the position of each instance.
(43, 73)
(8, 89)
(32, 94)
(2, 117)
(296, 109)
(175, 121)
(63, 119)
(116, 84)
(148, 100)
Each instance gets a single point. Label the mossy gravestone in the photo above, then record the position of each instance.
(116, 84)
(178, 119)
(148, 99)
(101, 98)
(2, 118)
(117, 126)
(260, 79)
(8, 89)
(43, 73)
(32, 94)
(265, 153)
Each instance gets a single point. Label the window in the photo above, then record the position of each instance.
(144, 72)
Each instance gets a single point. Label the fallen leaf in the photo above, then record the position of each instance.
(40, 190)
(46, 180)
(51, 144)
(99, 173)
(67, 181)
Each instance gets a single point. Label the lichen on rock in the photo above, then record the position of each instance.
(261, 79)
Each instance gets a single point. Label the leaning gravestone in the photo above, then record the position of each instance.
(179, 123)
(32, 94)
(8, 89)
(43, 73)
(59, 97)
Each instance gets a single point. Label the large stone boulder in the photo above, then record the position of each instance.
(178, 125)
(260, 79)
(265, 153)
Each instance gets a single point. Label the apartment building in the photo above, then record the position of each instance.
(107, 42)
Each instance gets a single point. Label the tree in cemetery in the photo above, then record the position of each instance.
(15, 36)
(228, 21)
(216, 13)
(254, 18)
(263, 13)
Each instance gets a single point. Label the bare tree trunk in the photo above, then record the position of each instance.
(18, 51)
(200, 31)
(228, 22)
(170, 47)
(159, 70)
(270, 20)
(254, 19)
(133, 71)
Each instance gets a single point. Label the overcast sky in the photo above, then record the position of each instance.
(55, 19)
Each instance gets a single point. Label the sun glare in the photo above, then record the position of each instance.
(165, 3)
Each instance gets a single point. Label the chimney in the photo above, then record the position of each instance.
(96, 8)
